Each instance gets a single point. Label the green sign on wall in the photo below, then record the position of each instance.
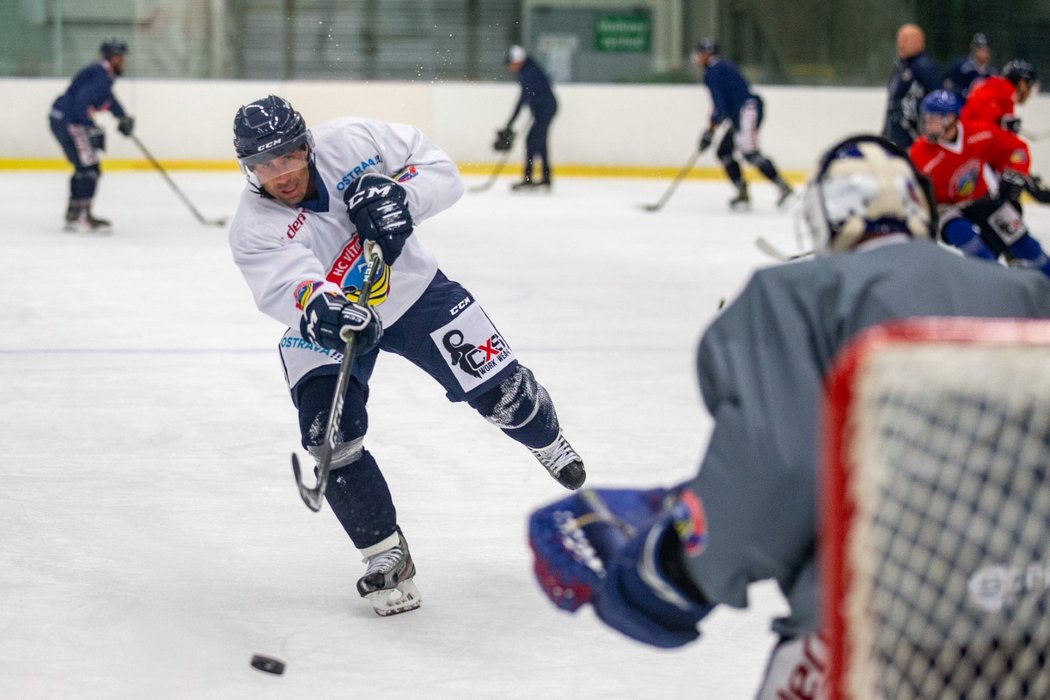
(622, 33)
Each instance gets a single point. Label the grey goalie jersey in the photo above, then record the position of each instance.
(761, 365)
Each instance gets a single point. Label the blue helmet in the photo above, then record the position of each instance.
(267, 128)
(113, 47)
(941, 102)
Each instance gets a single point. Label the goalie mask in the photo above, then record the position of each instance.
(271, 139)
(865, 187)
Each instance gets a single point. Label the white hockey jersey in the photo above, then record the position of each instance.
(280, 249)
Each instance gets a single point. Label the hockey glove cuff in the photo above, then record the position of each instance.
(376, 207)
(126, 125)
(639, 598)
(327, 317)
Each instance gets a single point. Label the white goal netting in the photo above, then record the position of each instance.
(938, 580)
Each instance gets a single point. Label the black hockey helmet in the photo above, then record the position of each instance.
(865, 186)
(707, 45)
(267, 128)
(1017, 70)
(113, 47)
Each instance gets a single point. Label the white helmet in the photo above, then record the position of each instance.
(865, 187)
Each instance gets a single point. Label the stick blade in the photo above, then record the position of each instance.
(649, 207)
(311, 496)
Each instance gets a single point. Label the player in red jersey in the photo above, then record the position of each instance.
(978, 172)
(993, 99)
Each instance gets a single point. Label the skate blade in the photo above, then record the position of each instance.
(392, 601)
(84, 228)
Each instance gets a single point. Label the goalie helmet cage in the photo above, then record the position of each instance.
(935, 533)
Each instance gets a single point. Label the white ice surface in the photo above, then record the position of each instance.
(151, 537)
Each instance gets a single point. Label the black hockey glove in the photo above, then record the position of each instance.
(707, 139)
(126, 125)
(1037, 189)
(504, 139)
(327, 316)
(1012, 184)
(376, 206)
(1011, 122)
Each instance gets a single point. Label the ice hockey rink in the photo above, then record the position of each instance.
(153, 539)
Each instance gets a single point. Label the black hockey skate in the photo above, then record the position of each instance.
(80, 219)
(562, 462)
(742, 200)
(387, 583)
(784, 193)
(529, 185)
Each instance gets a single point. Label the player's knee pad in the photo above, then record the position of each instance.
(962, 234)
(314, 404)
(515, 401)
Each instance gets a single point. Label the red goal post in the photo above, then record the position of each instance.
(935, 519)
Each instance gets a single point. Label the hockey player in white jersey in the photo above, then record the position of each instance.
(314, 198)
(654, 562)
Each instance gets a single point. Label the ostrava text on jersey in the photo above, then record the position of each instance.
(326, 244)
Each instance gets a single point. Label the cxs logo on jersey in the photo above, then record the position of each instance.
(358, 171)
(475, 350)
(348, 271)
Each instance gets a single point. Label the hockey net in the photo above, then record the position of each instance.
(936, 512)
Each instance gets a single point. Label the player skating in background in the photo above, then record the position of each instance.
(73, 124)
(980, 214)
(993, 100)
(735, 103)
(537, 94)
(970, 68)
(314, 197)
(914, 76)
(654, 562)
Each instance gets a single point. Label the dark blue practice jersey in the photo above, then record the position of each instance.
(91, 91)
(729, 90)
(535, 91)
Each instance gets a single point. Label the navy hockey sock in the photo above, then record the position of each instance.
(360, 498)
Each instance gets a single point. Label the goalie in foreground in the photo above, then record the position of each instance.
(654, 562)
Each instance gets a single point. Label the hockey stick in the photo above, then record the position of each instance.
(772, 251)
(312, 496)
(494, 176)
(1035, 136)
(164, 174)
(499, 167)
(674, 184)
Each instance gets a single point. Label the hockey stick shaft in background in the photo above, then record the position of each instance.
(494, 176)
(772, 251)
(164, 173)
(499, 166)
(312, 495)
(674, 183)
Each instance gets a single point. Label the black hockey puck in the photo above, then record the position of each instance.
(270, 665)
